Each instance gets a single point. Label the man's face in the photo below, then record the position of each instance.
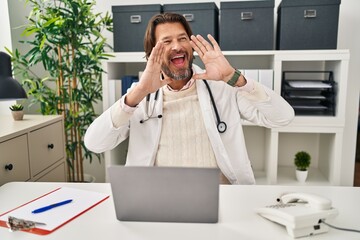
(178, 51)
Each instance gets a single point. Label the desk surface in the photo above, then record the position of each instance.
(237, 219)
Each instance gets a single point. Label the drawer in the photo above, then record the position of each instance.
(54, 174)
(46, 146)
(14, 160)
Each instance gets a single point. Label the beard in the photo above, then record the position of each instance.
(180, 74)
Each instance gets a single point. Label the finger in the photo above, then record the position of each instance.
(204, 43)
(194, 44)
(164, 79)
(153, 55)
(214, 42)
(157, 53)
(160, 52)
(199, 76)
(200, 43)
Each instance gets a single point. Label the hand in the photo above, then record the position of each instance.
(150, 79)
(217, 66)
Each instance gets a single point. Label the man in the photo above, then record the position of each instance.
(174, 118)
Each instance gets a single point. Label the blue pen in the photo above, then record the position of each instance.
(43, 209)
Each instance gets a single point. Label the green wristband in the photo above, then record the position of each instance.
(234, 78)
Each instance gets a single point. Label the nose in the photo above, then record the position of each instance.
(176, 45)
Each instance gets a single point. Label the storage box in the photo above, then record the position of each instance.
(202, 17)
(307, 24)
(247, 25)
(130, 22)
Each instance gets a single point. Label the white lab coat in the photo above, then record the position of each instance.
(229, 147)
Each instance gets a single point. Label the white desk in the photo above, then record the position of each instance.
(237, 218)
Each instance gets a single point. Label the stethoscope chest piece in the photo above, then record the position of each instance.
(221, 127)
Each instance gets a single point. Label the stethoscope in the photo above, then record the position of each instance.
(221, 126)
(149, 116)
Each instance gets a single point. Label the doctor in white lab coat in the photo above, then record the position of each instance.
(171, 117)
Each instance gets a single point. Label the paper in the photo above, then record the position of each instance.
(311, 97)
(308, 84)
(309, 107)
(54, 218)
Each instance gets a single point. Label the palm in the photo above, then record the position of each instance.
(216, 65)
(150, 79)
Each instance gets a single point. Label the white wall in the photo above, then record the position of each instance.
(5, 33)
(349, 38)
(5, 41)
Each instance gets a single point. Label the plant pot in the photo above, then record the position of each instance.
(87, 178)
(301, 175)
(17, 115)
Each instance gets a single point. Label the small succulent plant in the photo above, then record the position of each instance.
(16, 107)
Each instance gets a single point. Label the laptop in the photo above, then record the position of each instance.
(165, 194)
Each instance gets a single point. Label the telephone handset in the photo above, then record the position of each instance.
(300, 213)
(314, 201)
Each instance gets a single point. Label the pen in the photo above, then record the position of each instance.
(43, 209)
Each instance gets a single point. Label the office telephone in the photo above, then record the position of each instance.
(300, 213)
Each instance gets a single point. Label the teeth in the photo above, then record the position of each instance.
(178, 57)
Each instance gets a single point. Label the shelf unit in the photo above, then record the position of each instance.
(271, 150)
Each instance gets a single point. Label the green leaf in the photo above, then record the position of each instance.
(68, 47)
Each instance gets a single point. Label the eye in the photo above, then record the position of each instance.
(166, 42)
(183, 39)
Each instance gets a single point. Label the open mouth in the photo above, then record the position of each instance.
(178, 60)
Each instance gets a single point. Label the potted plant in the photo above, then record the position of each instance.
(66, 42)
(17, 111)
(302, 162)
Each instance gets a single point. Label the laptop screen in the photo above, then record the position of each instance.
(165, 194)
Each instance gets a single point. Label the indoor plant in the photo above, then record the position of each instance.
(17, 111)
(67, 43)
(302, 162)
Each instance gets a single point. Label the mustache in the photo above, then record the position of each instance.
(174, 54)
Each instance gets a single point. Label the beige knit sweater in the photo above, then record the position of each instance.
(184, 141)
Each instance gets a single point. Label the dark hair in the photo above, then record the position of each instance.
(149, 38)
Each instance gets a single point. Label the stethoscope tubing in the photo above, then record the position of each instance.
(221, 126)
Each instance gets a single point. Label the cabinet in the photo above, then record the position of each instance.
(32, 149)
(272, 150)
